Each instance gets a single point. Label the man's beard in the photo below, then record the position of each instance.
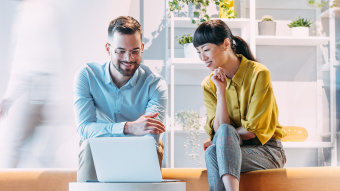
(126, 72)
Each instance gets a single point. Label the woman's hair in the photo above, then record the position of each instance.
(216, 31)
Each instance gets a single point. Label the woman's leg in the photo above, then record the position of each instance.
(259, 157)
(214, 179)
(223, 159)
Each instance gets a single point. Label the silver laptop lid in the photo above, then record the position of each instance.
(125, 159)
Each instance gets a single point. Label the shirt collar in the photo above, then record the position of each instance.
(108, 79)
(240, 73)
(107, 75)
(133, 79)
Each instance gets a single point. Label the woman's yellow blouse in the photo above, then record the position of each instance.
(250, 101)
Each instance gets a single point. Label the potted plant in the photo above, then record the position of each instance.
(189, 49)
(227, 9)
(267, 26)
(191, 122)
(197, 9)
(300, 27)
(323, 4)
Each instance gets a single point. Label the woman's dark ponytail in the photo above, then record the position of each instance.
(240, 46)
(216, 31)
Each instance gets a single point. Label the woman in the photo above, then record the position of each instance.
(242, 115)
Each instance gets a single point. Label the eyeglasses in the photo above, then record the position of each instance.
(134, 54)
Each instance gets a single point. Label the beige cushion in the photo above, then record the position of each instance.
(36, 179)
(292, 179)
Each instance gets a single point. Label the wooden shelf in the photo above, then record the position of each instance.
(186, 63)
(185, 22)
(291, 40)
(307, 145)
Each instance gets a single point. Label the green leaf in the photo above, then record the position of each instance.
(301, 22)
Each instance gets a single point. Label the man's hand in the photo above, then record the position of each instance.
(245, 135)
(146, 124)
(207, 144)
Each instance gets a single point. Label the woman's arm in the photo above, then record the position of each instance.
(245, 135)
(222, 115)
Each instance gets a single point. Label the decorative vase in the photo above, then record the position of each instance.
(189, 50)
(228, 12)
(267, 28)
(299, 31)
(294, 134)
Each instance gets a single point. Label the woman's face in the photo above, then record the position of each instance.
(212, 55)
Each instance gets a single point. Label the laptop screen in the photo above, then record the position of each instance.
(125, 159)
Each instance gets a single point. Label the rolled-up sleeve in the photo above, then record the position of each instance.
(158, 99)
(85, 111)
(262, 114)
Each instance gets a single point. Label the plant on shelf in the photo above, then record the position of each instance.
(322, 4)
(267, 18)
(300, 22)
(189, 49)
(227, 9)
(300, 27)
(191, 122)
(267, 26)
(316, 4)
(198, 8)
(184, 39)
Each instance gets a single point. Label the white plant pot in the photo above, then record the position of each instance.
(190, 51)
(299, 31)
(267, 28)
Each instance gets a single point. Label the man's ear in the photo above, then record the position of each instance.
(142, 46)
(107, 47)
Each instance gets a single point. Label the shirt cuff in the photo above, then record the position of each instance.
(118, 129)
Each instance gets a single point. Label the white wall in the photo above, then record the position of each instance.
(83, 33)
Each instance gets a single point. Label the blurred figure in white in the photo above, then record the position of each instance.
(35, 62)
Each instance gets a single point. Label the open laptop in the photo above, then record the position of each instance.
(126, 159)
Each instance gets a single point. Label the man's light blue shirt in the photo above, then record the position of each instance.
(102, 109)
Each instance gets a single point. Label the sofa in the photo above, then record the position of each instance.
(286, 179)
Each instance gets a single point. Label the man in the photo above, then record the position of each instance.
(120, 97)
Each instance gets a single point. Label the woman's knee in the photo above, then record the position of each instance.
(226, 129)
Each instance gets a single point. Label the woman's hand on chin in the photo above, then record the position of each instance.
(219, 79)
